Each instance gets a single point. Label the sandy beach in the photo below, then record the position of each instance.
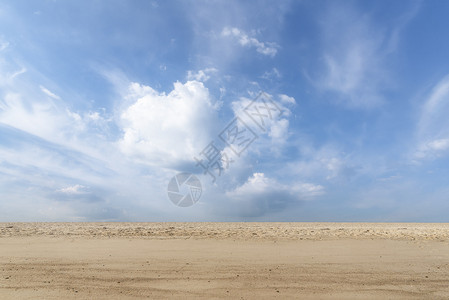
(224, 260)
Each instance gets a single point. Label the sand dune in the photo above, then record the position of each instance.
(224, 260)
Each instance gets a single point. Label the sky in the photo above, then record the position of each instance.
(102, 103)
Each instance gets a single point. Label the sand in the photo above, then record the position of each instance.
(224, 260)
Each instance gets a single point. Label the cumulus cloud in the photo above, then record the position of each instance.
(166, 129)
(279, 134)
(259, 184)
(260, 194)
(267, 48)
(268, 108)
(201, 75)
(279, 129)
(287, 99)
(269, 118)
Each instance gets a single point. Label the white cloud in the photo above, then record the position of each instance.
(273, 74)
(74, 190)
(201, 75)
(287, 99)
(277, 108)
(275, 136)
(3, 45)
(279, 134)
(266, 48)
(439, 145)
(432, 149)
(259, 186)
(38, 114)
(279, 129)
(39, 117)
(49, 93)
(261, 195)
(166, 129)
(94, 116)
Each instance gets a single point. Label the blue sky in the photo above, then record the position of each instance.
(103, 102)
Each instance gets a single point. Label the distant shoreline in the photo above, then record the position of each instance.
(231, 230)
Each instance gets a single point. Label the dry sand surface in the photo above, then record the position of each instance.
(224, 260)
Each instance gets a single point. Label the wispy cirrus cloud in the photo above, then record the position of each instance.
(432, 132)
(49, 93)
(355, 54)
(17, 73)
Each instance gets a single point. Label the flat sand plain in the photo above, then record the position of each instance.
(224, 260)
